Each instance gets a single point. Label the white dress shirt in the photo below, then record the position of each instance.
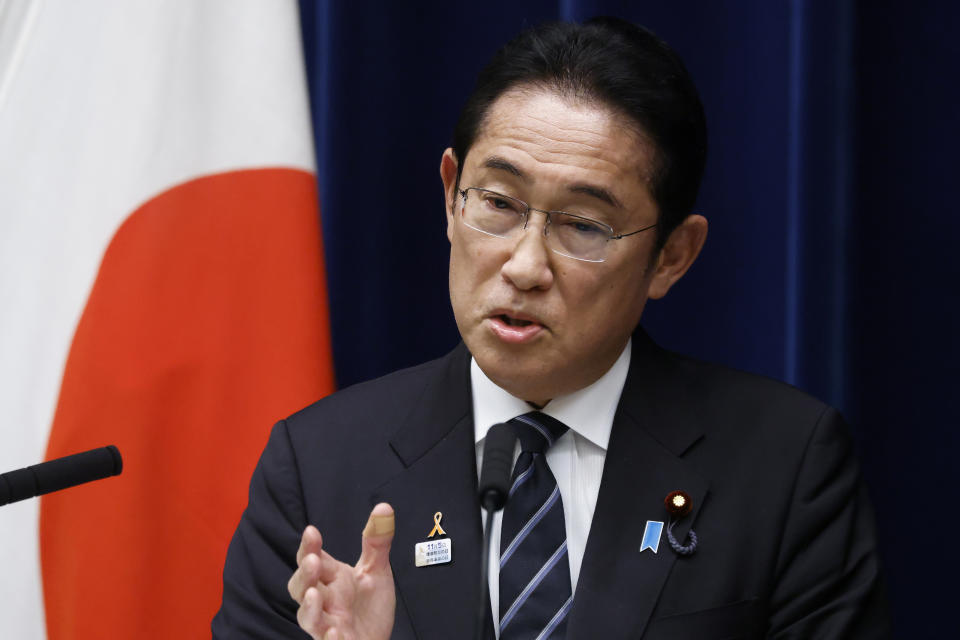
(576, 459)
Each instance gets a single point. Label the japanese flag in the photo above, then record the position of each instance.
(162, 289)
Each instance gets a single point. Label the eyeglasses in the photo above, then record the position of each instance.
(568, 234)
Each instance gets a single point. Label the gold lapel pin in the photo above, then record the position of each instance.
(437, 529)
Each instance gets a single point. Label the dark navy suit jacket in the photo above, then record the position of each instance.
(787, 542)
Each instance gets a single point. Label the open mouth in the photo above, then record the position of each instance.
(514, 322)
(513, 330)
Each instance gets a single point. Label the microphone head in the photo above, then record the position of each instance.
(117, 459)
(498, 448)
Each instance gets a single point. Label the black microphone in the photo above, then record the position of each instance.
(498, 446)
(498, 449)
(58, 474)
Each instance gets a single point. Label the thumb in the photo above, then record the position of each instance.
(377, 536)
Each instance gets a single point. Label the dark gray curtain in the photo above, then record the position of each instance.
(830, 262)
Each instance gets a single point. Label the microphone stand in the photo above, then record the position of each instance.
(484, 576)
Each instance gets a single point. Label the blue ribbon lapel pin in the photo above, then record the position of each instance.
(651, 536)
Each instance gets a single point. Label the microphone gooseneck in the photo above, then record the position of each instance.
(494, 489)
(60, 473)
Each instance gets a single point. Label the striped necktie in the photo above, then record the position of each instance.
(535, 593)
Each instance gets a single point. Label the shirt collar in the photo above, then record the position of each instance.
(588, 411)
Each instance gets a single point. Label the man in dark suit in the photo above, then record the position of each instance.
(569, 191)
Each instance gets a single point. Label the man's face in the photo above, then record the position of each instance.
(538, 323)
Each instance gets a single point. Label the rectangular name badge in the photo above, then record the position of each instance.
(433, 552)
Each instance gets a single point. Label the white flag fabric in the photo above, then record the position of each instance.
(162, 289)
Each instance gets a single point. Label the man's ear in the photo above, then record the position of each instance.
(681, 249)
(448, 173)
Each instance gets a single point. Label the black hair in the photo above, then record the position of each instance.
(624, 67)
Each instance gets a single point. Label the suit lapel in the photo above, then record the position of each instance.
(436, 445)
(618, 585)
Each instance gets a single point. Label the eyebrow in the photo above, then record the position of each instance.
(502, 164)
(597, 192)
(496, 162)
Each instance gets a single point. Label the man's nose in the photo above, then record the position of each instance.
(528, 266)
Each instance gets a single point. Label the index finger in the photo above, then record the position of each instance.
(310, 542)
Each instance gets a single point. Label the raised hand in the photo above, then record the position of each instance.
(341, 602)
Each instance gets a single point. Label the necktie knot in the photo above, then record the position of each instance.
(537, 431)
